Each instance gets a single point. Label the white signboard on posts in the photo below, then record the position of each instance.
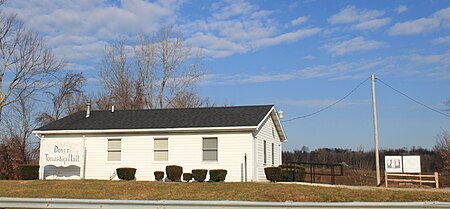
(402, 164)
(63, 153)
(411, 164)
(393, 164)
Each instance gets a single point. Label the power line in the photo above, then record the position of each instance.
(412, 99)
(331, 105)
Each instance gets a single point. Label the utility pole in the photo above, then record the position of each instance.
(375, 127)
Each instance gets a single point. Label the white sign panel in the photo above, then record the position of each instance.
(63, 153)
(393, 164)
(411, 164)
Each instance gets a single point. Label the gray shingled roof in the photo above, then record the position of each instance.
(163, 118)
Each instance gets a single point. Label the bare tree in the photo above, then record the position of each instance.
(159, 73)
(28, 65)
(66, 99)
(178, 69)
(188, 100)
(17, 145)
(119, 77)
(442, 148)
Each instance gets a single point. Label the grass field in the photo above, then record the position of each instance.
(137, 190)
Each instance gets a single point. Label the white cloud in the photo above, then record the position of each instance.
(422, 65)
(309, 57)
(299, 20)
(443, 59)
(286, 37)
(423, 25)
(340, 71)
(400, 9)
(79, 30)
(372, 24)
(441, 40)
(214, 46)
(352, 45)
(229, 9)
(361, 19)
(237, 27)
(351, 14)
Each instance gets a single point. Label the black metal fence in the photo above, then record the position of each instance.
(317, 169)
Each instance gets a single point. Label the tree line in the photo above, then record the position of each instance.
(436, 159)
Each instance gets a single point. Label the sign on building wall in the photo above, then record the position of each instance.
(63, 153)
(402, 164)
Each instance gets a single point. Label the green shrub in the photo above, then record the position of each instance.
(187, 176)
(29, 172)
(287, 172)
(273, 174)
(159, 175)
(199, 174)
(174, 172)
(217, 175)
(126, 173)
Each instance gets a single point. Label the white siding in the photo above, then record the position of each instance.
(267, 133)
(185, 150)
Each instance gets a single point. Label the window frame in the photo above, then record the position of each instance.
(108, 150)
(210, 149)
(273, 154)
(160, 150)
(265, 151)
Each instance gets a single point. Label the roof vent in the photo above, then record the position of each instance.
(88, 111)
(112, 108)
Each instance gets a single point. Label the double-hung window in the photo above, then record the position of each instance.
(210, 149)
(114, 149)
(161, 151)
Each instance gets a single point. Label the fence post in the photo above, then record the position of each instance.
(386, 179)
(295, 170)
(333, 180)
(436, 178)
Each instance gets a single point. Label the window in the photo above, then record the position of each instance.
(210, 149)
(161, 150)
(114, 149)
(265, 152)
(273, 154)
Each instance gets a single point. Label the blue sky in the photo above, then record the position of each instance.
(299, 55)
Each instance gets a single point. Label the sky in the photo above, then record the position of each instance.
(300, 56)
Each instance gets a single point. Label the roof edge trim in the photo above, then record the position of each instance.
(194, 129)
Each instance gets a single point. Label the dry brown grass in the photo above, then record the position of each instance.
(138, 190)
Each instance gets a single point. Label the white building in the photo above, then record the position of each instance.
(92, 144)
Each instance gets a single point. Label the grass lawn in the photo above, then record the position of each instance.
(138, 190)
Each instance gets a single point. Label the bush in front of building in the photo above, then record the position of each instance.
(126, 173)
(273, 174)
(174, 172)
(159, 175)
(29, 172)
(187, 176)
(199, 174)
(217, 175)
(287, 172)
